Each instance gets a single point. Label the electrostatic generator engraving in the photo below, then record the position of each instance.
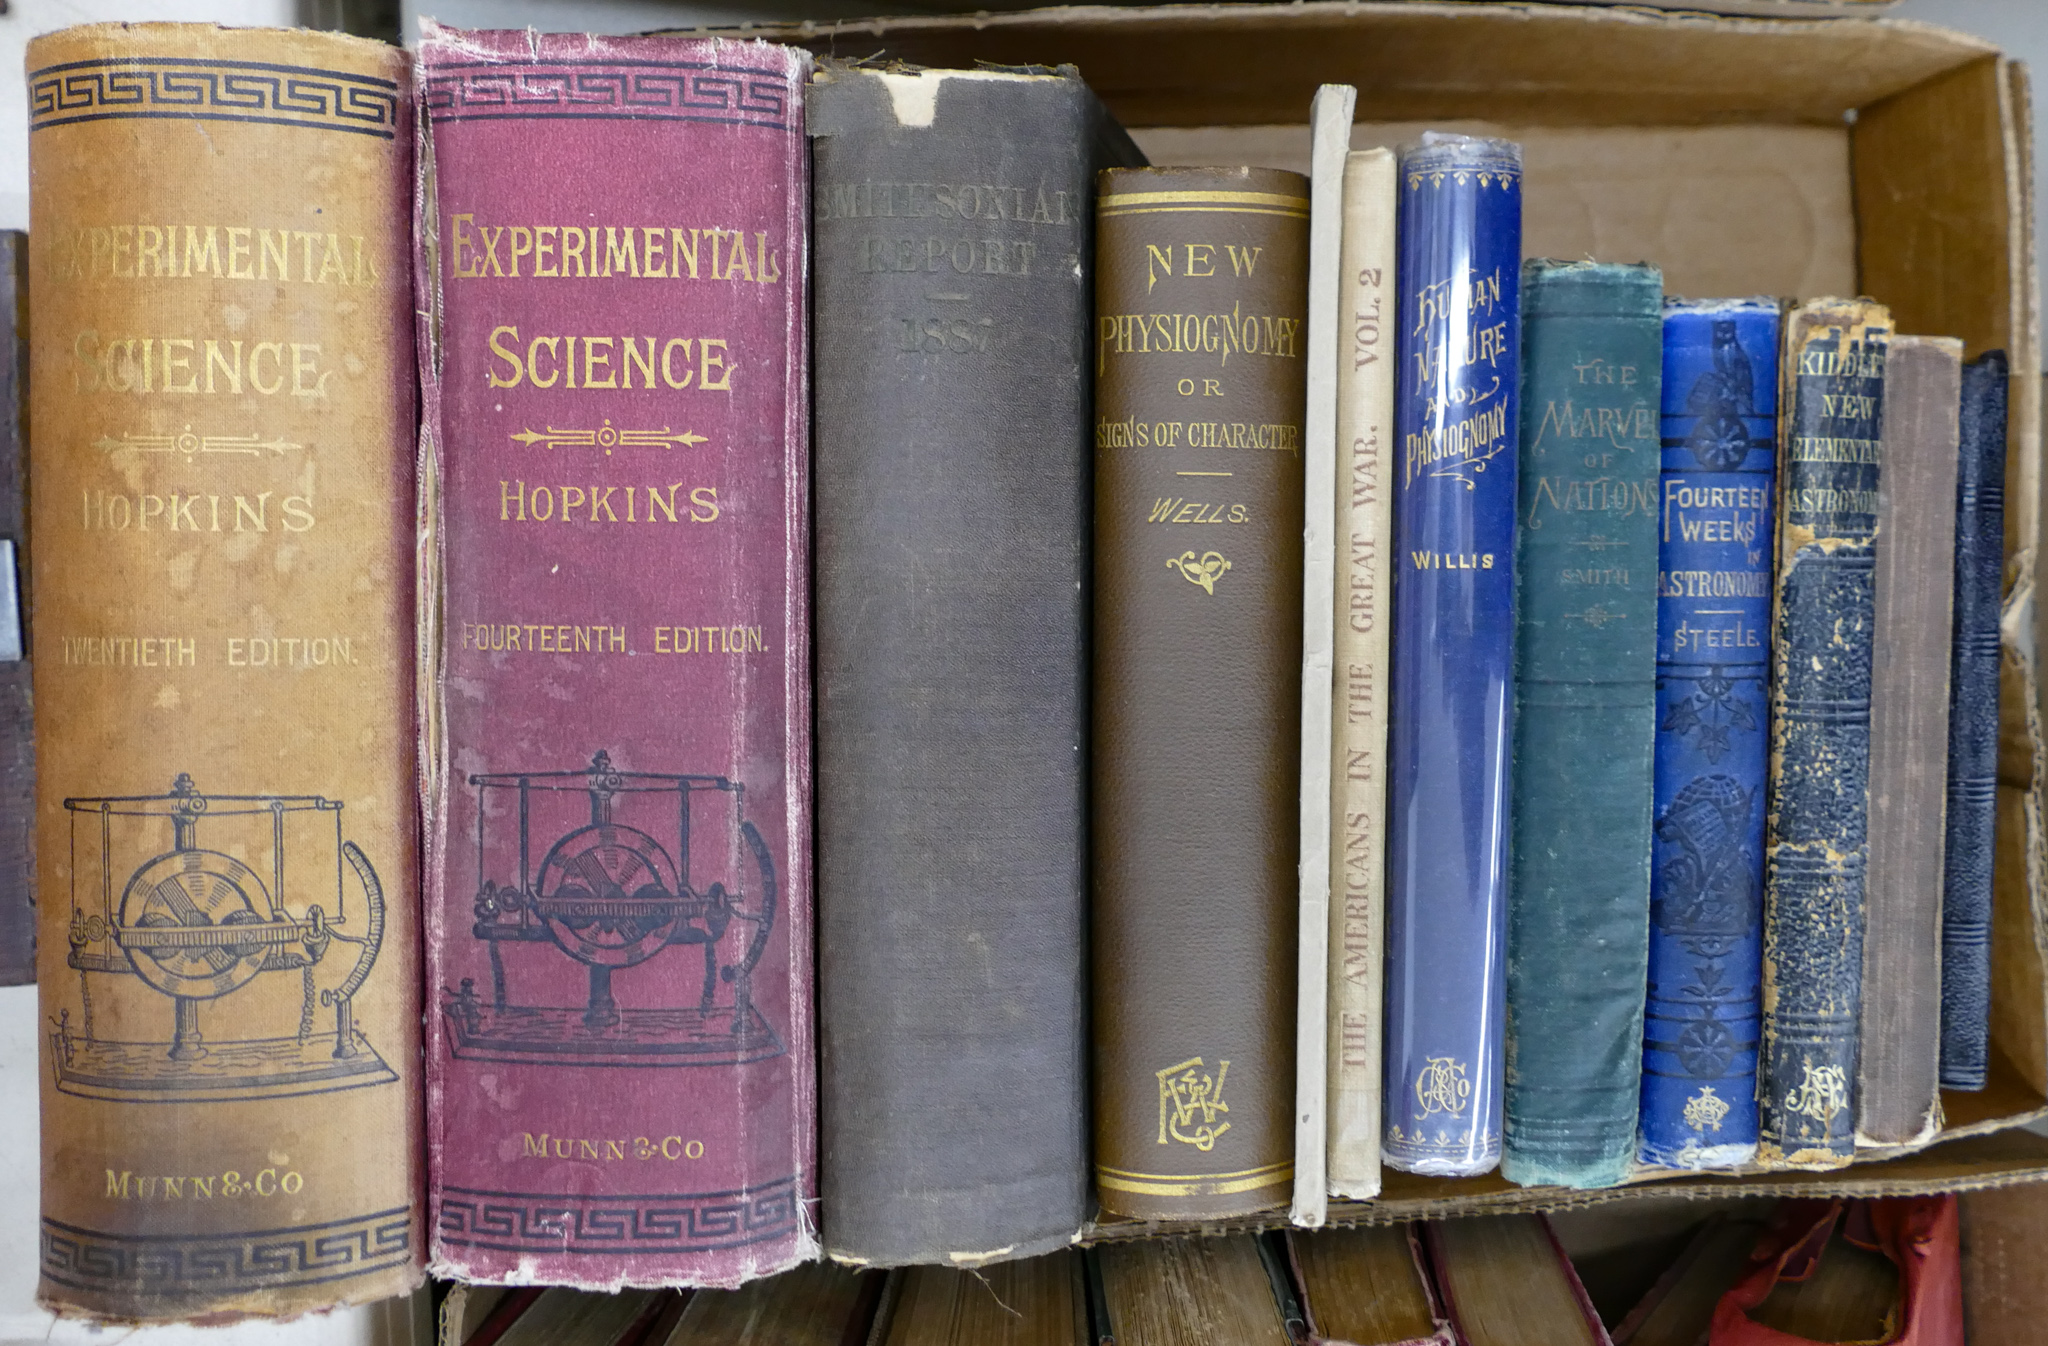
(610, 896)
(199, 924)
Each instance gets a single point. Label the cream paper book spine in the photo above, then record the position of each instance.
(1358, 699)
(1330, 138)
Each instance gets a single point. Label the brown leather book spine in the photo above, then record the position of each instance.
(1201, 301)
(222, 503)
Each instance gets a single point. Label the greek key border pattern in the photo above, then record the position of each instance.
(217, 1264)
(528, 1222)
(233, 91)
(611, 91)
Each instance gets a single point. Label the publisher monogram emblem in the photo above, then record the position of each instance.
(1821, 1094)
(1705, 1109)
(1442, 1086)
(1204, 571)
(1188, 1103)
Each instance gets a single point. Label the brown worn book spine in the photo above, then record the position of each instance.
(1899, 1095)
(1163, 1292)
(222, 501)
(1201, 300)
(1510, 1270)
(1367, 1285)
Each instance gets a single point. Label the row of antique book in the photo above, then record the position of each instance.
(1647, 705)
(455, 478)
(1806, 1271)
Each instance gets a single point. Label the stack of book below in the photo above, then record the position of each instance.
(1810, 1271)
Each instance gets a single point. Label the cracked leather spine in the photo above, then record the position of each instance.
(222, 384)
(1585, 719)
(1973, 727)
(953, 213)
(1201, 301)
(1453, 642)
(1816, 838)
(1718, 545)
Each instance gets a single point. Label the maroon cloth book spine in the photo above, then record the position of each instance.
(621, 1079)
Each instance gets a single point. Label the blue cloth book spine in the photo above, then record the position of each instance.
(1718, 549)
(1973, 727)
(1585, 719)
(1816, 835)
(1460, 256)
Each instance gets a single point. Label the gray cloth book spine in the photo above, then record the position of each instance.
(1585, 719)
(1909, 696)
(953, 297)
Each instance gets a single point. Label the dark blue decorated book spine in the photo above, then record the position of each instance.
(1973, 727)
(1816, 841)
(1717, 550)
(1449, 722)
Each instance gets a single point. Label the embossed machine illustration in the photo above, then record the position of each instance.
(610, 896)
(198, 924)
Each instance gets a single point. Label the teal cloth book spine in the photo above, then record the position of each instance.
(1585, 719)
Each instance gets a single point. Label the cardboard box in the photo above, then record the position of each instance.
(1774, 9)
(1745, 156)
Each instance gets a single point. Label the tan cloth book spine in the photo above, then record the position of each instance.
(222, 383)
(1358, 714)
(1201, 295)
(1898, 1066)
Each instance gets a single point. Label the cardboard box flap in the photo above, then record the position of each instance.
(1776, 9)
(1797, 157)
(1976, 1163)
(1193, 65)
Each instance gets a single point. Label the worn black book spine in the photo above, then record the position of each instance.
(953, 465)
(1973, 727)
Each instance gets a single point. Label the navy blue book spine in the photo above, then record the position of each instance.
(1449, 721)
(1973, 727)
(1716, 557)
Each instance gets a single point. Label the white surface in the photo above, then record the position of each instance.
(25, 19)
